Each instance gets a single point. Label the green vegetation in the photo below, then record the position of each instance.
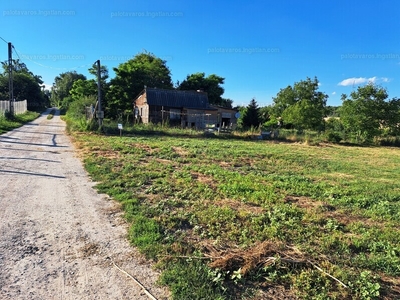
(302, 105)
(27, 86)
(211, 84)
(235, 218)
(7, 124)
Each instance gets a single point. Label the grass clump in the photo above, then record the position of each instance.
(10, 123)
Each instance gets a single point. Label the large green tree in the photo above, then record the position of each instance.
(301, 105)
(62, 86)
(210, 84)
(145, 69)
(83, 88)
(368, 112)
(26, 85)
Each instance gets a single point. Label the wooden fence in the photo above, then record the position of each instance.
(20, 107)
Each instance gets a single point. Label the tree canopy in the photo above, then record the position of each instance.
(145, 69)
(301, 105)
(210, 84)
(88, 87)
(83, 88)
(26, 85)
(62, 86)
(368, 112)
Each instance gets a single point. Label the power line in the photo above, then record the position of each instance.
(4, 40)
(16, 53)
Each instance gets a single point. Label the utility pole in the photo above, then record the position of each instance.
(10, 79)
(100, 114)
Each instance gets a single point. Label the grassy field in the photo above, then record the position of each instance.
(243, 219)
(18, 121)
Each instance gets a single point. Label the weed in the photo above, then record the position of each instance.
(191, 279)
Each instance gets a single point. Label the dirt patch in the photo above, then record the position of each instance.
(303, 202)
(240, 206)
(144, 147)
(180, 151)
(164, 161)
(329, 211)
(393, 284)
(203, 179)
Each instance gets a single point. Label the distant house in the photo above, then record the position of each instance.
(182, 108)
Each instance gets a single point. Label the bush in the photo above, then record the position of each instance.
(333, 137)
(77, 109)
(76, 115)
(393, 141)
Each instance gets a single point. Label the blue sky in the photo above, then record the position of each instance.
(258, 46)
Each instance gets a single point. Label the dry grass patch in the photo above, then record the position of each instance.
(259, 255)
(180, 151)
(240, 206)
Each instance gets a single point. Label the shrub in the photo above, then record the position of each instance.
(333, 137)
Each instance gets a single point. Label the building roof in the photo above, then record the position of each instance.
(176, 98)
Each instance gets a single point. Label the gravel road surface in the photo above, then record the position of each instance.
(60, 239)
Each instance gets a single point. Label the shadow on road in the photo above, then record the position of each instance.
(27, 158)
(32, 174)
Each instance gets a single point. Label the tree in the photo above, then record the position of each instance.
(265, 114)
(62, 86)
(145, 69)
(251, 116)
(83, 88)
(26, 85)
(367, 112)
(17, 66)
(88, 88)
(332, 111)
(392, 120)
(301, 105)
(210, 84)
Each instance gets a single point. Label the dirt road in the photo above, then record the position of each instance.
(59, 239)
